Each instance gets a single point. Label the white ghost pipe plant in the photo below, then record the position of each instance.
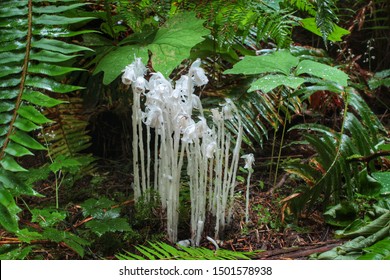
(134, 75)
(249, 160)
(211, 166)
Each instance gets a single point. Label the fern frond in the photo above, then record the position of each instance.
(304, 5)
(326, 17)
(163, 251)
(68, 134)
(30, 50)
(331, 173)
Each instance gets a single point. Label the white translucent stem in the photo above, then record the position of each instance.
(148, 157)
(142, 157)
(247, 197)
(135, 118)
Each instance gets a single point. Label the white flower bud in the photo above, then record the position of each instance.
(249, 160)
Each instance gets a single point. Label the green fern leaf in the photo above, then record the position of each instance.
(32, 114)
(9, 163)
(58, 46)
(163, 251)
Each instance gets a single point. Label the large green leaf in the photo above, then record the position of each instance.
(336, 36)
(323, 71)
(171, 45)
(116, 61)
(269, 82)
(174, 41)
(280, 62)
(382, 222)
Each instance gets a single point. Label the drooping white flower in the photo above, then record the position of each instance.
(133, 71)
(198, 75)
(140, 84)
(181, 88)
(210, 149)
(201, 127)
(153, 116)
(189, 133)
(217, 117)
(182, 121)
(129, 75)
(158, 83)
(249, 160)
(227, 110)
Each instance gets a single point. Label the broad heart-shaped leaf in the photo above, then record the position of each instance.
(280, 62)
(269, 82)
(322, 71)
(335, 36)
(115, 62)
(174, 41)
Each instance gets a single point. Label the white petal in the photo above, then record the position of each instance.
(249, 160)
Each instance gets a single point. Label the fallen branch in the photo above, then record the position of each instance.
(370, 157)
(297, 252)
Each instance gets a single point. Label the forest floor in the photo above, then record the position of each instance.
(273, 231)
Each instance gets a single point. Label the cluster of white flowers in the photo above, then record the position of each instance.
(181, 133)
